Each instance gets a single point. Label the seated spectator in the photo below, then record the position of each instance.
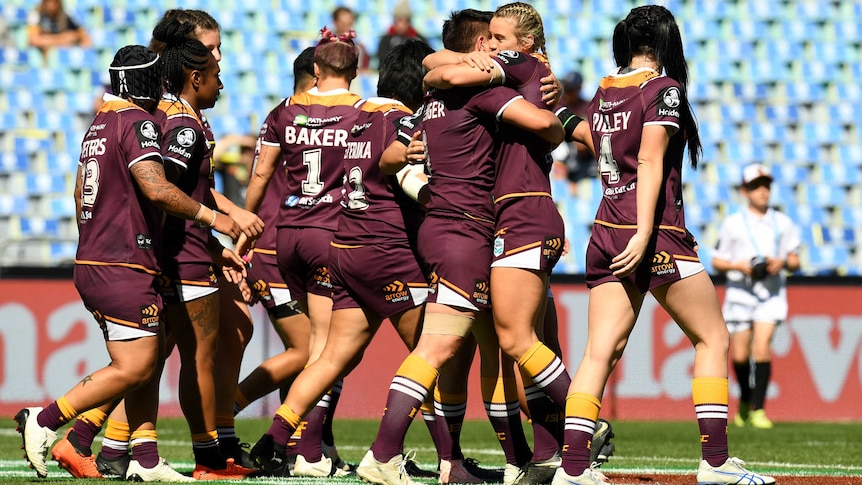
(577, 158)
(343, 20)
(50, 26)
(233, 157)
(400, 30)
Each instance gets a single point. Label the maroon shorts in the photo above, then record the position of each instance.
(530, 234)
(383, 278)
(187, 281)
(124, 301)
(669, 257)
(457, 253)
(265, 281)
(303, 260)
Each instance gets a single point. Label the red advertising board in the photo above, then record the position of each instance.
(48, 342)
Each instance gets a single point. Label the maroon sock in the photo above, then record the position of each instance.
(51, 417)
(280, 430)
(86, 432)
(146, 453)
(434, 430)
(312, 433)
(334, 394)
(545, 418)
(400, 411)
(576, 454)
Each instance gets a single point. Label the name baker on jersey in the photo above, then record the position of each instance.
(306, 202)
(327, 137)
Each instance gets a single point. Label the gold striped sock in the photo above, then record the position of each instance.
(66, 409)
(288, 415)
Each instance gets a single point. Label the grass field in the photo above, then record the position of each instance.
(643, 448)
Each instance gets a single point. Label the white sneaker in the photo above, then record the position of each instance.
(589, 477)
(454, 472)
(322, 468)
(731, 472)
(331, 452)
(389, 473)
(512, 475)
(159, 473)
(37, 439)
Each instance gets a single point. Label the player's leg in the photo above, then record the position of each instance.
(73, 452)
(113, 459)
(235, 330)
(610, 323)
(194, 325)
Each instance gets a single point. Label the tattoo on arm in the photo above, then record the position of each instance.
(86, 379)
(150, 176)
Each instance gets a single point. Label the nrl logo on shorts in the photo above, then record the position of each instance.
(498, 246)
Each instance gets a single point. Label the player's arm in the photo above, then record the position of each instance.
(525, 115)
(414, 183)
(149, 174)
(654, 142)
(398, 155)
(250, 224)
(264, 168)
(575, 128)
(451, 75)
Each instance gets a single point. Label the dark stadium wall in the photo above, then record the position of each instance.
(48, 341)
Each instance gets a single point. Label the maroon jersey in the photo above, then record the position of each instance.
(459, 126)
(117, 224)
(622, 106)
(187, 144)
(524, 162)
(375, 210)
(312, 130)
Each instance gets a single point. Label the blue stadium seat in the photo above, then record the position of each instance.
(850, 155)
(13, 162)
(63, 251)
(805, 215)
(838, 174)
(63, 162)
(38, 184)
(828, 259)
(745, 153)
(13, 205)
(32, 146)
(800, 153)
(782, 113)
(789, 174)
(822, 133)
(821, 195)
(768, 132)
(805, 92)
(39, 227)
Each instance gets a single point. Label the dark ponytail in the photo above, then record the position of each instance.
(652, 30)
(181, 54)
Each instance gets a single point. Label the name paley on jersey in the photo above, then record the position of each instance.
(611, 122)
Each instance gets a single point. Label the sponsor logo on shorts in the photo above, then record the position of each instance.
(552, 247)
(433, 280)
(321, 277)
(396, 292)
(212, 276)
(144, 241)
(482, 292)
(662, 264)
(150, 315)
(261, 290)
(499, 244)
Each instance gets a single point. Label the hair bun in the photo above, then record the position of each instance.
(172, 32)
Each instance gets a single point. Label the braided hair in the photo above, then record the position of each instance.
(401, 73)
(652, 31)
(136, 73)
(527, 22)
(337, 54)
(182, 54)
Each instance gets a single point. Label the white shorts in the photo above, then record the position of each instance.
(116, 332)
(191, 292)
(739, 316)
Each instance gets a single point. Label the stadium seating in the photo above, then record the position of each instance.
(771, 81)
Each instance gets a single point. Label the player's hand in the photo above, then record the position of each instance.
(248, 296)
(249, 223)
(231, 265)
(415, 153)
(226, 226)
(551, 89)
(244, 247)
(565, 247)
(744, 267)
(627, 261)
(479, 60)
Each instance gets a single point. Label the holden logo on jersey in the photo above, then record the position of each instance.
(186, 137)
(511, 58)
(670, 100)
(148, 129)
(396, 292)
(499, 244)
(662, 264)
(482, 292)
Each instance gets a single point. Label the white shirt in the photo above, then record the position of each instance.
(744, 236)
